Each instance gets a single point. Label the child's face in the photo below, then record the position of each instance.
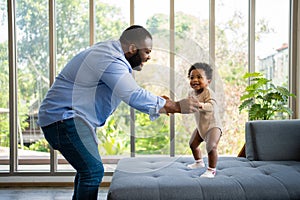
(198, 79)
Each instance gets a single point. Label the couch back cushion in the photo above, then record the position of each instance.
(274, 140)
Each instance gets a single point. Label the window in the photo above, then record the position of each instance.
(191, 44)
(154, 137)
(4, 90)
(272, 33)
(112, 17)
(231, 32)
(183, 32)
(32, 67)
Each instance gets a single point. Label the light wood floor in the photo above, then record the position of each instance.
(43, 193)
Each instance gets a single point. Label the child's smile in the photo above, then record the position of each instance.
(198, 79)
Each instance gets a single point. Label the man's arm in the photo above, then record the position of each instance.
(125, 87)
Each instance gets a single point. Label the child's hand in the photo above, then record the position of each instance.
(189, 105)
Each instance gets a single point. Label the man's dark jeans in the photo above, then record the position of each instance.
(74, 139)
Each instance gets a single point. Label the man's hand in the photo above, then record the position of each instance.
(189, 105)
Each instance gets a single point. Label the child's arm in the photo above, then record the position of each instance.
(207, 106)
(208, 102)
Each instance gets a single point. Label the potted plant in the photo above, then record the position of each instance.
(264, 101)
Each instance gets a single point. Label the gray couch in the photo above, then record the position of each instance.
(270, 170)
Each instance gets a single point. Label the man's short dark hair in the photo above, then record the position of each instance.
(134, 34)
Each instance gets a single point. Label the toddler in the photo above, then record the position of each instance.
(209, 127)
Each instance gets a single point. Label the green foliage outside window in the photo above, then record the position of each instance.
(4, 125)
(40, 145)
(152, 138)
(113, 140)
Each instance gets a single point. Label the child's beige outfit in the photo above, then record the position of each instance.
(208, 116)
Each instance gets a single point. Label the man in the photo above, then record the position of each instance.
(86, 93)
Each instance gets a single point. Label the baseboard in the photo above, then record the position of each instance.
(44, 181)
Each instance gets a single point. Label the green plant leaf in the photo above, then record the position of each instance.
(262, 82)
(245, 104)
(254, 112)
(253, 74)
(274, 96)
(284, 91)
(247, 96)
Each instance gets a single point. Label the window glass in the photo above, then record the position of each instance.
(112, 17)
(191, 45)
(191, 36)
(72, 36)
(154, 137)
(72, 26)
(231, 40)
(4, 89)
(272, 38)
(33, 82)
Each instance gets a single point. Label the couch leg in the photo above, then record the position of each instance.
(242, 152)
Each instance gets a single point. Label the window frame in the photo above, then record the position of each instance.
(294, 75)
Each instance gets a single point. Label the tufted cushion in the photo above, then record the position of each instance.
(271, 140)
(165, 178)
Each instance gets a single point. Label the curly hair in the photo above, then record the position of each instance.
(205, 67)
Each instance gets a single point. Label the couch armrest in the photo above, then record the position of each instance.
(275, 140)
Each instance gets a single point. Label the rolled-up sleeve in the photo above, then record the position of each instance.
(154, 111)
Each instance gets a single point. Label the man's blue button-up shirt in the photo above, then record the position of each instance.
(93, 84)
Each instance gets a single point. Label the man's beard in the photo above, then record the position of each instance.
(135, 61)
